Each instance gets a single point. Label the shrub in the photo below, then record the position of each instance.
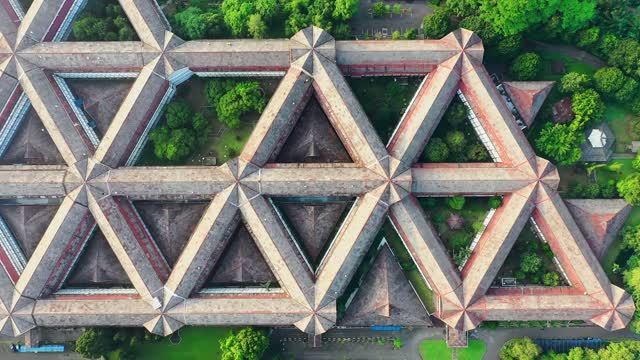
(608, 191)
(530, 263)
(560, 143)
(395, 35)
(551, 279)
(609, 80)
(588, 37)
(477, 152)
(592, 191)
(588, 108)
(247, 344)
(438, 218)
(456, 141)
(437, 150)
(629, 189)
(460, 240)
(429, 202)
(410, 34)
(495, 202)
(574, 82)
(526, 66)
(635, 106)
(477, 226)
(456, 202)
(627, 92)
(379, 9)
(456, 114)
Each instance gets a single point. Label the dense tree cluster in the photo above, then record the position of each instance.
(103, 23)
(526, 66)
(234, 99)
(112, 343)
(181, 134)
(526, 349)
(262, 18)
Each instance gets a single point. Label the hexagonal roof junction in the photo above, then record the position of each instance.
(97, 185)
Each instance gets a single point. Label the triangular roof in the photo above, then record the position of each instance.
(600, 220)
(528, 97)
(386, 297)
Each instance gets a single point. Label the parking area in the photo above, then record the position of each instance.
(409, 17)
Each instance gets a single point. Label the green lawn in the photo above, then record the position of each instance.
(571, 65)
(197, 343)
(621, 121)
(438, 350)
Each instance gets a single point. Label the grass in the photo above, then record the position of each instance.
(438, 350)
(571, 65)
(620, 120)
(197, 343)
(384, 100)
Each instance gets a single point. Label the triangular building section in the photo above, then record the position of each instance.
(97, 267)
(241, 264)
(528, 97)
(25, 224)
(29, 143)
(386, 297)
(600, 220)
(98, 100)
(312, 140)
(170, 224)
(313, 222)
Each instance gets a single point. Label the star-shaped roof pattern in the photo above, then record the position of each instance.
(97, 186)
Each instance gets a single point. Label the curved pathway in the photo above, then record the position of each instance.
(570, 51)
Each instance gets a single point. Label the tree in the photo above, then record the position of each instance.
(243, 98)
(463, 8)
(236, 15)
(268, 9)
(588, 37)
(626, 56)
(495, 202)
(396, 9)
(179, 114)
(578, 353)
(574, 82)
(216, 88)
(588, 108)
(515, 16)
(89, 28)
(551, 278)
(95, 343)
(526, 66)
(437, 25)
(247, 344)
(477, 152)
(627, 92)
(510, 46)
(631, 238)
(530, 263)
(256, 27)
(456, 202)
(484, 30)
(379, 9)
(560, 143)
(345, 9)
(456, 114)
(520, 349)
(456, 141)
(437, 150)
(608, 80)
(629, 188)
(410, 34)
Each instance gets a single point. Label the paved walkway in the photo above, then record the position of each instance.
(570, 51)
(622, 156)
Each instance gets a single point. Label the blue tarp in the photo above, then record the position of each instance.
(386, 328)
(564, 345)
(40, 349)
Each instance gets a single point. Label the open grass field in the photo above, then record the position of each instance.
(620, 120)
(571, 65)
(197, 343)
(438, 350)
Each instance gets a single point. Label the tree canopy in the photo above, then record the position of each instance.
(526, 66)
(437, 25)
(560, 143)
(247, 344)
(243, 98)
(629, 189)
(520, 349)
